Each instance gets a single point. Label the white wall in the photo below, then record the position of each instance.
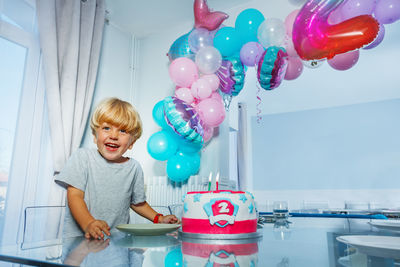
(115, 75)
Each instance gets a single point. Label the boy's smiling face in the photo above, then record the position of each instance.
(112, 142)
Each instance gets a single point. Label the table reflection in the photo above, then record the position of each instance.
(210, 253)
(302, 242)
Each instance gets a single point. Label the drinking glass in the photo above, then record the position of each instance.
(280, 210)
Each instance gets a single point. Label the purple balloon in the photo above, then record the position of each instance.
(378, 38)
(387, 11)
(354, 8)
(251, 53)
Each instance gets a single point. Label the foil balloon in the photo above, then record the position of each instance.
(204, 18)
(272, 67)
(231, 75)
(314, 38)
(183, 119)
(180, 48)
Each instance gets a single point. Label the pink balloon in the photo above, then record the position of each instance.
(184, 94)
(378, 39)
(211, 112)
(216, 96)
(213, 80)
(183, 72)
(289, 22)
(294, 68)
(344, 61)
(201, 89)
(290, 50)
(208, 133)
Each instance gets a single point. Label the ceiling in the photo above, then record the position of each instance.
(146, 17)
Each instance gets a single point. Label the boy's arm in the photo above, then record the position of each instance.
(145, 210)
(92, 227)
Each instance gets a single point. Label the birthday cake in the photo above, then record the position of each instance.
(237, 255)
(219, 212)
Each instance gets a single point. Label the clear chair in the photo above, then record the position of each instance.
(177, 210)
(42, 226)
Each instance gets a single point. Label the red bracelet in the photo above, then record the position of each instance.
(155, 220)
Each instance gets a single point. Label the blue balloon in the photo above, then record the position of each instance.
(174, 258)
(158, 115)
(178, 168)
(247, 23)
(227, 41)
(161, 145)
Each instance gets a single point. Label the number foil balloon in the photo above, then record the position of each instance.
(180, 48)
(204, 18)
(231, 75)
(183, 119)
(272, 67)
(314, 38)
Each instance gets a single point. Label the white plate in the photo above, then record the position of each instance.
(378, 246)
(392, 225)
(148, 228)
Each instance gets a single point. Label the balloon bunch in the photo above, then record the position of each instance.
(208, 64)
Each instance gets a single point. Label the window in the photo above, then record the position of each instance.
(25, 161)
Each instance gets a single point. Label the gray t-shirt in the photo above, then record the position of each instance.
(110, 188)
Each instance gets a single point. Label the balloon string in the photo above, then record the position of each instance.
(258, 105)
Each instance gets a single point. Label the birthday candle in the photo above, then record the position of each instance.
(216, 181)
(209, 181)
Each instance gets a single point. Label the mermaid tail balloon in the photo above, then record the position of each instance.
(314, 38)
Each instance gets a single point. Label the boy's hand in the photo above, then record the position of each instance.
(96, 228)
(168, 219)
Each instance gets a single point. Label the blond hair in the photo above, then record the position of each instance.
(118, 113)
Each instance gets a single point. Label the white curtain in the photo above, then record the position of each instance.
(70, 38)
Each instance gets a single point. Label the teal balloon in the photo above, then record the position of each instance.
(247, 23)
(178, 168)
(174, 258)
(158, 114)
(227, 41)
(193, 159)
(187, 146)
(161, 145)
(180, 48)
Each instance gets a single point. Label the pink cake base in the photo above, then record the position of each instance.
(201, 226)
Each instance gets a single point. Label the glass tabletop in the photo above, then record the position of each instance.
(299, 242)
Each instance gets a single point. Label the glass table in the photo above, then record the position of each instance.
(301, 242)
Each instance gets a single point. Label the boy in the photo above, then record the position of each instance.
(101, 183)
